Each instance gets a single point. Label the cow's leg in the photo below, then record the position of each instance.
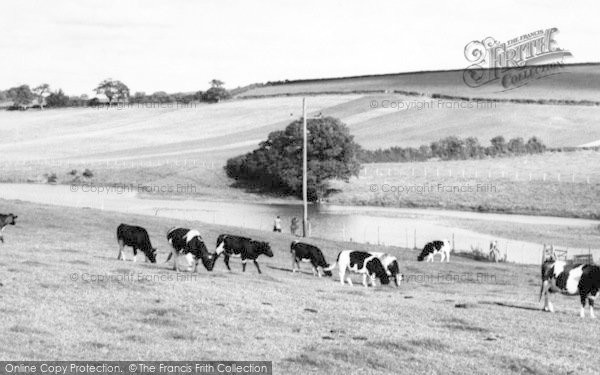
(583, 297)
(121, 254)
(256, 264)
(365, 282)
(442, 256)
(243, 265)
(196, 260)
(448, 256)
(591, 299)
(134, 254)
(342, 272)
(226, 260)
(373, 280)
(349, 280)
(544, 293)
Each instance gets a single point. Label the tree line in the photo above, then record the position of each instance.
(115, 91)
(454, 148)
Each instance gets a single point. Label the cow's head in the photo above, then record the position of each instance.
(327, 273)
(151, 254)
(422, 256)
(264, 248)
(376, 269)
(11, 219)
(209, 261)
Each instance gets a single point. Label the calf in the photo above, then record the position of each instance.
(433, 248)
(138, 239)
(246, 248)
(582, 279)
(360, 262)
(308, 253)
(390, 263)
(4, 221)
(188, 243)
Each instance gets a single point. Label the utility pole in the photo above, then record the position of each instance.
(304, 171)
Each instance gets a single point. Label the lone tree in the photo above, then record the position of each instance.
(216, 92)
(216, 83)
(276, 166)
(21, 95)
(41, 92)
(113, 89)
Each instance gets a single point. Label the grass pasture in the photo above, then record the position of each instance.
(554, 184)
(486, 321)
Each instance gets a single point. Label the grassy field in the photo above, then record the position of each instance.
(214, 133)
(573, 82)
(461, 317)
(555, 184)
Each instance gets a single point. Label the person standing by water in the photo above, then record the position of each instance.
(277, 224)
(294, 226)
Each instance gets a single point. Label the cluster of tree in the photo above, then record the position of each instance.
(454, 148)
(276, 166)
(214, 94)
(24, 97)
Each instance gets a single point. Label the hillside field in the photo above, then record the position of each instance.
(214, 133)
(575, 82)
(64, 294)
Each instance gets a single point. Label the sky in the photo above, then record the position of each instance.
(180, 45)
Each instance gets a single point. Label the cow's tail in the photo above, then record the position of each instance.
(332, 265)
(169, 257)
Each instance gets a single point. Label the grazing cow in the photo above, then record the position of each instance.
(363, 263)
(582, 279)
(246, 248)
(433, 248)
(308, 253)
(188, 243)
(136, 237)
(390, 263)
(4, 221)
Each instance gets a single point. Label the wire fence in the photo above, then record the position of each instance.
(479, 174)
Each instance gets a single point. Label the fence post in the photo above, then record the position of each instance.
(415, 240)
(453, 246)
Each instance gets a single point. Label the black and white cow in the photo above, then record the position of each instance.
(138, 239)
(360, 262)
(433, 248)
(246, 248)
(303, 252)
(189, 244)
(582, 279)
(4, 221)
(390, 263)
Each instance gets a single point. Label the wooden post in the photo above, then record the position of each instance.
(304, 167)
(415, 240)
(453, 247)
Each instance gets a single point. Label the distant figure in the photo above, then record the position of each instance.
(494, 251)
(549, 253)
(277, 224)
(294, 226)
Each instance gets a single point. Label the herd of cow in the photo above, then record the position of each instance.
(188, 246)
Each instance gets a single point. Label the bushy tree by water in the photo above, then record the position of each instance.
(276, 166)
